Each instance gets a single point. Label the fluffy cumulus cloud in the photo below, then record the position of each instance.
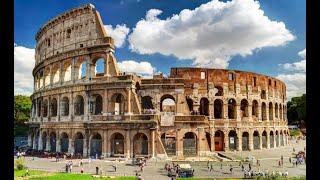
(295, 81)
(23, 65)
(119, 34)
(144, 69)
(211, 34)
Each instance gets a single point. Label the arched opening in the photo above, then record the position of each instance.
(53, 142)
(271, 139)
(66, 73)
(276, 110)
(137, 87)
(244, 108)
(190, 105)
(263, 94)
(281, 139)
(189, 144)
(96, 145)
(119, 104)
(256, 140)
(270, 111)
(39, 107)
(65, 106)
(147, 105)
(219, 91)
(232, 140)
(45, 108)
(255, 113)
(140, 144)
(204, 107)
(99, 67)
(218, 141)
(54, 107)
(41, 80)
(44, 141)
(245, 141)
(168, 140)
(218, 105)
(82, 70)
(232, 109)
(56, 73)
(117, 144)
(79, 105)
(168, 104)
(277, 138)
(280, 109)
(47, 76)
(264, 139)
(264, 111)
(64, 141)
(98, 103)
(78, 144)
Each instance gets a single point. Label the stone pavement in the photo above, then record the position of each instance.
(154, 170)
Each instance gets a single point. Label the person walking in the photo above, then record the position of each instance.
(81, 171)
(221, 167)
(27, 172)
(249, 167)
(211, 167)
(290, 159)
(67, 168)
(242, 167)
(70, 167)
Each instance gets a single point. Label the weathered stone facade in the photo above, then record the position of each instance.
(117, 114)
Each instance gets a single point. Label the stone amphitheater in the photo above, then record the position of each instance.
(80, 108)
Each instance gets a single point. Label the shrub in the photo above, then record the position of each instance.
(20, 163)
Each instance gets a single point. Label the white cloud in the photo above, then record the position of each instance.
(210, 34)
(23, 65)
(119, 34)
(144, 69)
(296, 82)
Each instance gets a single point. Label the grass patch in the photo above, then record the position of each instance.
(67, 176)
(20, 173)
(21, 130)
(294, 133)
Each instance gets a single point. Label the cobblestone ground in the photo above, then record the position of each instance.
(154, 170)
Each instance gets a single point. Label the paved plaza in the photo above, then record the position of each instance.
(154, 170)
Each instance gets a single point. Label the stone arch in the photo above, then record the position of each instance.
(96, 145)
(79, 105)
(56, 73)
(117, 104)
(78, 143)
(140, 144)
(53, 141)
(65, 106)
(232, 140)
(190, 144)
(190, 104)
(255, 109)
(66, 71)
(263, 94)
(264, 139)
(44, 140)
(168, 140)
(219, 140)
(146, 102)
(281, 138)
(219, 91)
(276, 110)
(54, 107)
(244, 108)
(81, 69)
(270, 111)
(99, 66)
(204, 106)
(232, 114)
(256, 140)
(64, 142)
(45, 108)
(263, 111)
(245, 141)
(167, 103)
(271, 139)
(218, 109)
(117, 144)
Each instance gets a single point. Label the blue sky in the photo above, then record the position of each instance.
(264, 37)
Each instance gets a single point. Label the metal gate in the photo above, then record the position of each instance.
(271, 141)
(44, 143)
(245, 143)
(53, 144)
(37, 142)
(277, 140)
(264, 141)
(64, 144)
(256, 142)
(78, 146)
(169, 145)
(141, 147)
(118, 146)
(232, 143)
(281, 140)
(189, 146)
(95, 147)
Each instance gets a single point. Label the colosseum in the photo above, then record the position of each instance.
(79, 108)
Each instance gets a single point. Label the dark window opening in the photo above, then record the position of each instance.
(254, 81)
(49, 42)
(68, 33)
(269, 82)
(231, 76)
(275, 83)
(81, 45)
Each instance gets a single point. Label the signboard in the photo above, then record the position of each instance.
(231, 140)
(167, 119)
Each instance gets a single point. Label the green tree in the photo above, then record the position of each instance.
(296, 109)
(22, 109)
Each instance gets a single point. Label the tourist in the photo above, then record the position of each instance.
(89, 160)
(211, 167)
(27, 172)
(97, 170)
(67, 168)
(221, 167)
(70, 167)
(279, 163)
(290, 159)
(249, 167)
(81, 171)
(242, 167)
(231, 170)
(81, 162)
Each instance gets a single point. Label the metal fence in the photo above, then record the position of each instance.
(189, 146)
(256, 142)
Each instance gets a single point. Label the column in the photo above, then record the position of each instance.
(268, 140)
(58, 144)
(60, 75)
(129, 100)
(127, 143)
(239, 142)
(71, 146)
(274, 139)
(105, 142)
(30, 138)
(131, 146)
(71, 108)
(225, 111)
(73, 64)
(250, 111)
(238, 114)
(226, 141)
(250, 141)
(85, 147)
(88, 68)
(259, 112)
(179, 143)
(58, 106)
(34, 141)
(51, 75)
(152, 143)
(105, 102)
(40, 140)
(267, 112)
(48, 145)
(212, 139)
(260, 140)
